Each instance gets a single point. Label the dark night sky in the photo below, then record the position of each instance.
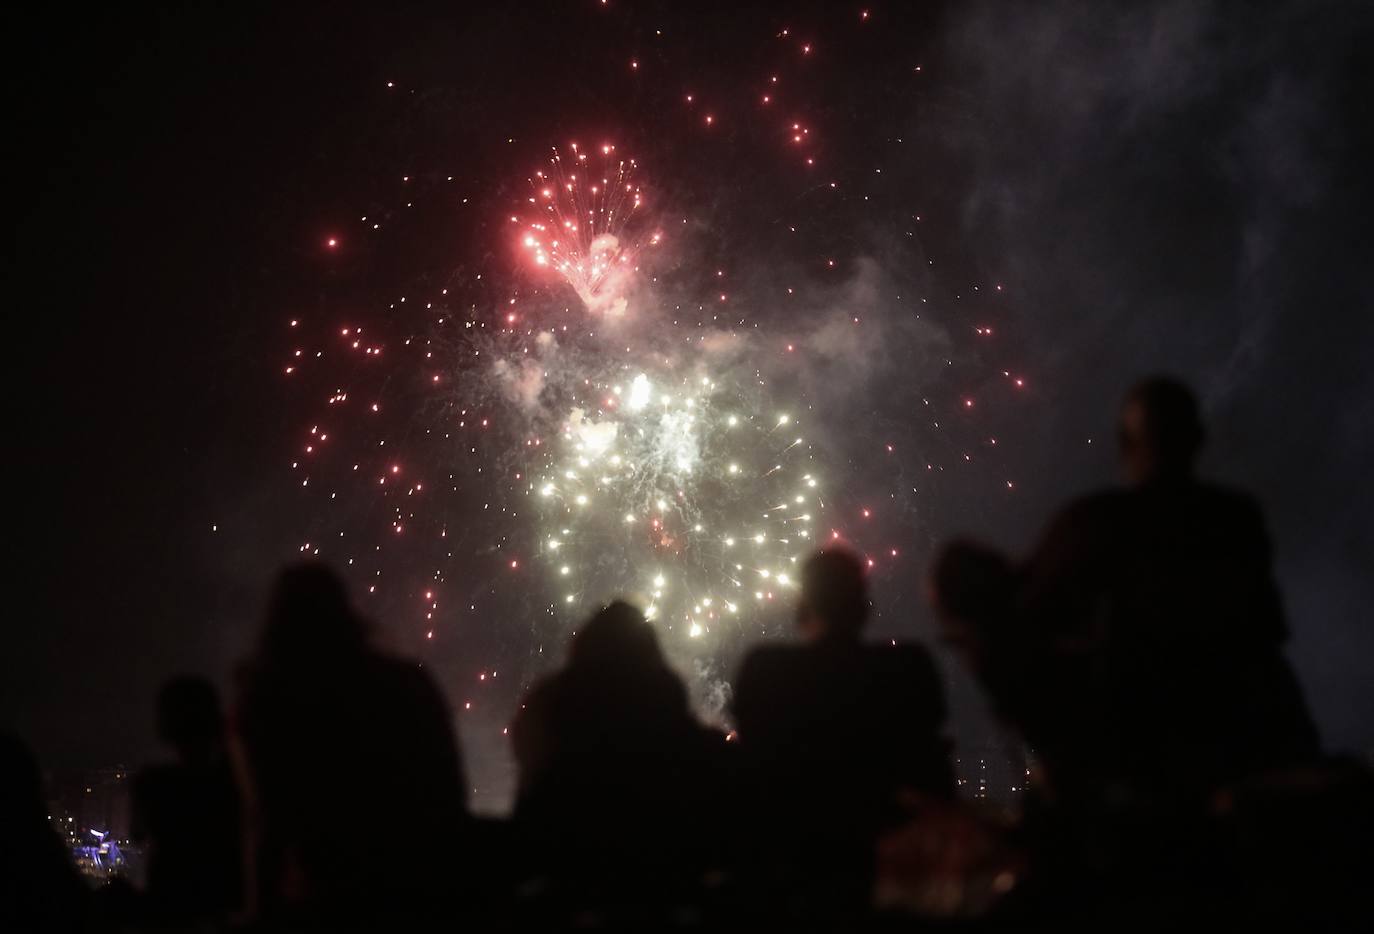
(1183, 188)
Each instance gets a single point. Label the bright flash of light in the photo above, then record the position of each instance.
(682, 494)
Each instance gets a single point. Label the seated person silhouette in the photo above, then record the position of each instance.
(832, 731)
(1139, 647)
(188, 811)
(354, 794)
(618, 782)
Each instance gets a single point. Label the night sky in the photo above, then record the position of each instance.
(1180, 189)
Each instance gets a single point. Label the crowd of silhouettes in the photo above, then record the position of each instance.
(1137, 651)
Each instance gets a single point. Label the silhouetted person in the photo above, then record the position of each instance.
(1139, 647)
(833, 731)
(39, 887)
(188, 811)
(618, 781)
(355, 791)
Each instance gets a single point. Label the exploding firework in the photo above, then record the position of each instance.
(580, 228)
(690, 496)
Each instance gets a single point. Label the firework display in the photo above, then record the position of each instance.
(611, 402)
(563, 337)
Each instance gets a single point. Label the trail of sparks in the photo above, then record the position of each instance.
(583, 210)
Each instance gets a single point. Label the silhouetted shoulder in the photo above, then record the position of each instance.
(1096, 503)
(1233, 498)
(912, 668)
(1094, 512)
(767, 678)
(775, 679)
(908, 658)
(1111, 504)
(765, 660)
(768, 673)
(530, 731)
(1084, 525)
(1235, 506)
(433, 742)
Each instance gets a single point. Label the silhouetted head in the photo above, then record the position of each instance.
(310, 617)
(1160, 431)
(971, 587)
(834, 596)
(189, 718)
(616, 637)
